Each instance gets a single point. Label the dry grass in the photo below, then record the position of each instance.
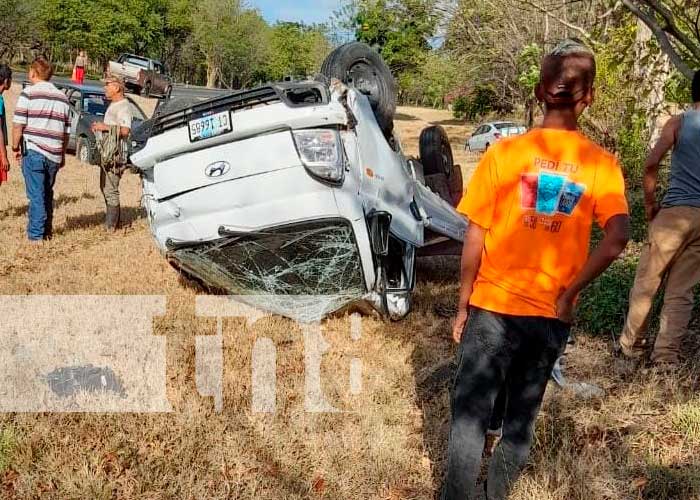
(640, 441)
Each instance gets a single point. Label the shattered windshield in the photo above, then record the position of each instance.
(311, 269)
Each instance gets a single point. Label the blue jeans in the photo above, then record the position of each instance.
(504, 361)
(39, 178)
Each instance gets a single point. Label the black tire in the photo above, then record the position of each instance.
(84, 151)
(435, 151)
(358, 65)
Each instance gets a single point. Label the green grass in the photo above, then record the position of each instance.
(686, 420)
(8, 445)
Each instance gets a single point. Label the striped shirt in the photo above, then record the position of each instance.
(45, 114)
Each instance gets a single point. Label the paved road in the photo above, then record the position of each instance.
(179, 89)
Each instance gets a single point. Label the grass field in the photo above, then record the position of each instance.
(641, 440)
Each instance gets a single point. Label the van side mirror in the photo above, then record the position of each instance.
(379, 223)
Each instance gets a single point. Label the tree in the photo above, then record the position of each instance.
(399, 29)
(177, 39)
(676, 26)
(18, 25)
(232, 39)
(104, 27)
(296, 50)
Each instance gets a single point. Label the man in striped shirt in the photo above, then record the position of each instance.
(42, 121)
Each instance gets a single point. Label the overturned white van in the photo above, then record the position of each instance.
(299, 191)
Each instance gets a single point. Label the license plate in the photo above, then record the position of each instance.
(210, 126)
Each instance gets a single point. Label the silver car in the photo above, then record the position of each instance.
(491, 132)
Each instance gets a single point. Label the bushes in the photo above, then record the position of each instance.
(480, 102)
(632, 143)
(603, 305)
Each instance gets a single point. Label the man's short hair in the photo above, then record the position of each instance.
(42, 67)
(563, 79)
(695, 87)
(5, 73)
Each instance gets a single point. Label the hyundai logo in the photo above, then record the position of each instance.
(217, 169)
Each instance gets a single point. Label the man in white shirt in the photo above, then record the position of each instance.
(117, 120)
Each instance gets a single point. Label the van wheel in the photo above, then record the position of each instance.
(435, 151)
(358, 65)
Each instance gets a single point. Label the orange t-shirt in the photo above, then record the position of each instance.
(537, 196)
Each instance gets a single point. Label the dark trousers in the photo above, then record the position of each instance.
(500, 354)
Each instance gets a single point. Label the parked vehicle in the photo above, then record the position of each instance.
(489, 133)
(142, 75)
(87, 105)
(300, 192)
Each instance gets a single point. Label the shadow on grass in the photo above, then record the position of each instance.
(128, 216)
(404, 117)
(453, 121)
(61, 200)
(433, 356)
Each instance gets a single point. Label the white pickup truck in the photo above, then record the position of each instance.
(299, 194)
(142, 75)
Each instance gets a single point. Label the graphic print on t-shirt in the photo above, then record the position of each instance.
(550, 194)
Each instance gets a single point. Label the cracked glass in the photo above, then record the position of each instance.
(304, 271)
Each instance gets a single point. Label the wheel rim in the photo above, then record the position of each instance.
(446, 159)
(365, 80)
(83, 154)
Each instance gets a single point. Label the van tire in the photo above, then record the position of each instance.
(436, 151)
(358, 65)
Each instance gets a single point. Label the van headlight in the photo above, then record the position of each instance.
(321, 152)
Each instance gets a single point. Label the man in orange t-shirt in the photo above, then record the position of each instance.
(531, 204)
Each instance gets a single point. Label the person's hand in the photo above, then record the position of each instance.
(650, 210)
(458, 326)
(4, 162)
(18, 157)
(566, 306)
(98, 127)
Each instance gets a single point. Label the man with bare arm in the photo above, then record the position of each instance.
(673, 247)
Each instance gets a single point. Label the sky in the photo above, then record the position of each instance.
(308, 11)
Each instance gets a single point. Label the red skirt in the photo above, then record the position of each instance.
(3, 176)
(79, 75)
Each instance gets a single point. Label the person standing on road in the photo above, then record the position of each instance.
(79, 67)
(531, 204)
(673, 246)
(5, 84)
(40, 132)
(112, 147)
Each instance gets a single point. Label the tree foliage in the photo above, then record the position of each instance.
(676, 26)
(104, 27)
(296, 50)
(400, 29)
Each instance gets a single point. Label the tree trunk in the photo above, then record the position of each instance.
(212, 73)
(652, 71)
(530, 112)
